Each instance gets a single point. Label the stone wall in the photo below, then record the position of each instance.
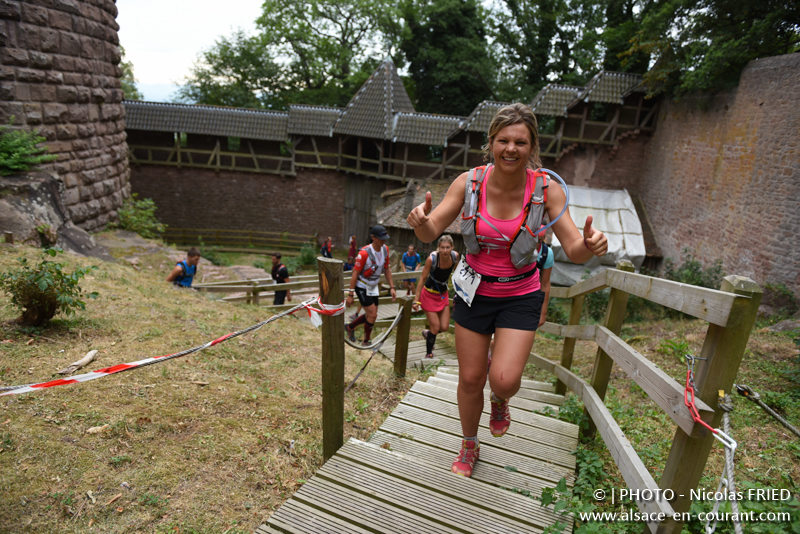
(313, 201)
(59, 74)
(722, 176)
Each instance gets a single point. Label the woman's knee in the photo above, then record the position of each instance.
(471, 382)
(504, 384)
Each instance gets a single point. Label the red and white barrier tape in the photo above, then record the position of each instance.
(99, 373)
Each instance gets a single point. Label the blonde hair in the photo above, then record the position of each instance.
(514, 114)
(445, 239)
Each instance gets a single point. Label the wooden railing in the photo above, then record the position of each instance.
(730, 312)
(239, 240)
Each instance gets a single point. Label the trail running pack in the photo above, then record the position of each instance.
(371, 274)
(524, 244)
(435, 265)
(187, 275)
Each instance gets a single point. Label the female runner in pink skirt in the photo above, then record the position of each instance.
(432, 295)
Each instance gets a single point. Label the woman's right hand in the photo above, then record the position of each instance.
(419, 215)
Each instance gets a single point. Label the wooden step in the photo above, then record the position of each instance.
(448, 373)
(541, 398)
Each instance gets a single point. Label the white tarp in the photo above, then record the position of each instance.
(613, 214)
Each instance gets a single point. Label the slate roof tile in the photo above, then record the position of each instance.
(482, 115)
(312, 120)
(208, 120)
(424, 128)
(554, 98)
(370, 112)
(609, 87)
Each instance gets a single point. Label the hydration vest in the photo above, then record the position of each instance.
(524, 244)
(435, 264)
(188, 272)
(543, 252)
(371, 274)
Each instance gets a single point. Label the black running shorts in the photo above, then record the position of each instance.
(365, 299)
(489, 313)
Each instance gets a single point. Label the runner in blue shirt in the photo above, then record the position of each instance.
(411, 261)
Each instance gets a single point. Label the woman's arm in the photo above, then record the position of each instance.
(576, 249)
(429, 225)
(545, 281)
(422, 278)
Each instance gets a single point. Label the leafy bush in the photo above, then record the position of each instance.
(595, 304)
(308, 256)
(261, 264)
(139, 216)
(19, 151)
(213, 254)
(41, 291)
(691, 271)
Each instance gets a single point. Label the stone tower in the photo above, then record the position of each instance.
(59, 74)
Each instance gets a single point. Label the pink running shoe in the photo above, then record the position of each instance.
(500, 419)
(465, 461)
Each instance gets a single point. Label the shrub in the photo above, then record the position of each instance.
(41, 291)
(139, 216)
(691, 271)
(213, 254)
(19, 151)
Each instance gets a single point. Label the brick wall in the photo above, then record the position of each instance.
(59, 75)
(312, 201)
(722, 176)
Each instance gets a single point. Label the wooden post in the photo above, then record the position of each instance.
(255, 293)
(330, 291)
(615, 314)
(723, 350)
(402, 336)
(9, 237)
(569, 343)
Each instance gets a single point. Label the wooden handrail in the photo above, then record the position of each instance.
(630, 465)
(710, 305)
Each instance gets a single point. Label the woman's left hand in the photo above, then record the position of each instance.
(594, 239)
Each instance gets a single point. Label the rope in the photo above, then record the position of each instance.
(353, 381)
(748, 393)
(378, 341)
(13, 390)
(726, 480)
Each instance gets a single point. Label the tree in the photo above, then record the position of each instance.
(444, 42)
(622, 21)
(703, 45)
(128, 81)
(542, 41)
(238, 71)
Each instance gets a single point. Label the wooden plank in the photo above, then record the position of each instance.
(540, 397)
(363, 510)
(447, 374)
(514, 506)
(555, 425)
(631, 468)
(596, 283)
(388, 322)
(658, 385)
(490, 453)
(442, 459)
(577, 331)
(707, 304)
(509, 442)
(522, 421)
(567, 351)
(298, 518)
(425, 502)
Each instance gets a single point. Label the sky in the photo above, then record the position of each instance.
(162, 38)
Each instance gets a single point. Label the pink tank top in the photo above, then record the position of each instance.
(497, 262)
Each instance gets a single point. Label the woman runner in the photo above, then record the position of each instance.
(510, 304)
(432, 295)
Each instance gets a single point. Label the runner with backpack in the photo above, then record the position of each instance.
(432, 295)
(502, 205)
(184, 271)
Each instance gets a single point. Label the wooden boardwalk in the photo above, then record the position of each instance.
(400, 480)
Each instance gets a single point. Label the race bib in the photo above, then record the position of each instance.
(466, 281)
(373, 291)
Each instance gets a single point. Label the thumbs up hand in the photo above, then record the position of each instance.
(594, 239)
(419, 215)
